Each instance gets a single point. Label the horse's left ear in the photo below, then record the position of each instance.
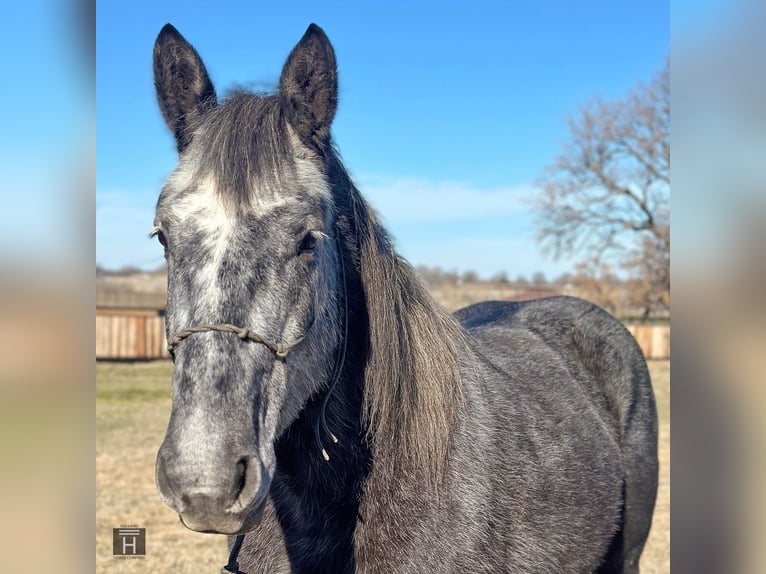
(308, 87)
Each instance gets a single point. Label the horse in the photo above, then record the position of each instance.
(327, 414)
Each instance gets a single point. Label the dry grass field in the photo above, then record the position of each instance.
(132, 410)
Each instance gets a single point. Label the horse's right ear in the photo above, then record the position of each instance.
(184, 89)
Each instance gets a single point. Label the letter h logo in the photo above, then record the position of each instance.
(129, 541)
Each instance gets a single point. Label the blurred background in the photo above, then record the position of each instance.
(47, 177)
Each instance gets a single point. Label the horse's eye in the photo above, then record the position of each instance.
(308, 243)
(161, 238)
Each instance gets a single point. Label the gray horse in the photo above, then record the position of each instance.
(326, 408)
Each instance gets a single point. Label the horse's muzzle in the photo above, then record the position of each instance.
(227, 523)
(230, 504)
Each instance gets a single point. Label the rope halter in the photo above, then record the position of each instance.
(280, 350)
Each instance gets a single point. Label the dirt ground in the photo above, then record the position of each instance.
(132, 410)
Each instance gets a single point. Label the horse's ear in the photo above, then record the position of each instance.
(308, 87)
(184, 90)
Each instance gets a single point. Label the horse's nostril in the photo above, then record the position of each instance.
(241, 477)
(246, 484)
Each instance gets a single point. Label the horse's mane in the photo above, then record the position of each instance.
(412, 384)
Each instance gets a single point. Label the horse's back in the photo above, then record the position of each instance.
(605, 370)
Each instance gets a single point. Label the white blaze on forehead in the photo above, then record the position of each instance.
(201, 208)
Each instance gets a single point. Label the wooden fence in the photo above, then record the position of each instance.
(139, 334)
(653, 338)
(124, 333)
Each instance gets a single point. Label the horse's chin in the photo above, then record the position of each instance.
(229, 524)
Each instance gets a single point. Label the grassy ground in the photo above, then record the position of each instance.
(132, 410)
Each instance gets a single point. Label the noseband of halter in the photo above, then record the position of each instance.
(280, 350)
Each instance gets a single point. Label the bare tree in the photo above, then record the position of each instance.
(606, 197)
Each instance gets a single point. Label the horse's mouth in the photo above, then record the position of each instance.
(228, 523)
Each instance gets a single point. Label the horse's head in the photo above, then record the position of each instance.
(247, 225)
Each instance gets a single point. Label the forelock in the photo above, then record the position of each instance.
(248, 147)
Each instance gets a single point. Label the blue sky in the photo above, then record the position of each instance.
(448, 110)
